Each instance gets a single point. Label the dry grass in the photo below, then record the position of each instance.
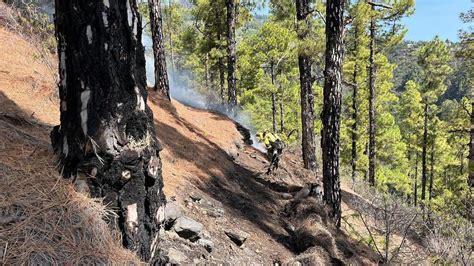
(42, 219)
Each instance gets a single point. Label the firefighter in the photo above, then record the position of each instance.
(274, 146)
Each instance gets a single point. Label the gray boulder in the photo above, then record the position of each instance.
(188, 228)
(207, 244)
(237, 236)
(216, 212)
(172, 212)
(176, 257)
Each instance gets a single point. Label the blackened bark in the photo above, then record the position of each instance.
(332, 106)
(231, 54)
(372, 128)
(355, 113)
(307, 98)
(470, 181)
(107, 136)
(424, 169)
(156, 25)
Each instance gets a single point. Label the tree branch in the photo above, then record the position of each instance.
(379, 5)
(460, 130)
(370, 233)
(465, 109)
(403, 239)
(348, 83)
(320, 15)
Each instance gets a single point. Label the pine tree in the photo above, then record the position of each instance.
(357, 68)
(231, 55)
(393, 13)
(106, 135)
(467, 54)
(433, 58)
(410, 116)
(332, 106)
(272, 48)
(306, 81)
(156, 25)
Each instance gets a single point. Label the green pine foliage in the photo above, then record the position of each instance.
(408, 76)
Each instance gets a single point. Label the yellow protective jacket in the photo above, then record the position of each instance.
(269, 139)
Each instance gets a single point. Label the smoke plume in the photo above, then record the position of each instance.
(182, 92)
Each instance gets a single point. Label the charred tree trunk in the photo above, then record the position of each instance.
(372, 129)
(306, 82)
(231, 54)
(107, 137)
(156, 25)
(332, 106)
(424, 170)
(355, 113)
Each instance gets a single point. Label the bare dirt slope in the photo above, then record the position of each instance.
(212, 175)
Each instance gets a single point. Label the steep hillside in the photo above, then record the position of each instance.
(42, 219)
(209, 172)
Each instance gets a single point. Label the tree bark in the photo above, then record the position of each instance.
(107, 136)
(372, 128)
(424, 170)
(231, 53)
(274, 111)
(431, 170)
(306, 82)
(282, 115)
(156, 25)
(355, 113)
(332, 106)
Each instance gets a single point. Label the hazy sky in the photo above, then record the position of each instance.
(436, 17)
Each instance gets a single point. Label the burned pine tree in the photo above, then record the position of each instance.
(106, 135)
(332, 106)
(306, 83)
(156, 26)
(231, 51)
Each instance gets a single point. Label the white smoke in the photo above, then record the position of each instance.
(182, 92)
